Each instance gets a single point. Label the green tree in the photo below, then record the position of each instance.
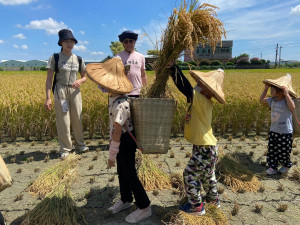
(116, 47)
(153, 52)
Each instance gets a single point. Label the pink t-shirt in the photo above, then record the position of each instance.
(137, 63)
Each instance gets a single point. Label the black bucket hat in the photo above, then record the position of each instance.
(65, 34)
(128, 34)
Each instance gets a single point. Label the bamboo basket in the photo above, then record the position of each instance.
(296, 126)
(152, 121)
(5, 178)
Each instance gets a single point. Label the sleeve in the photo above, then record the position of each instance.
(270, 100)
(143, 63)
(122, 112)
(182, 83)
(50, 64)
(82, 66)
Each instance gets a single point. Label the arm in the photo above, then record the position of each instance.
(289, 101)
(263, 98)
(114, 145)
(144, 77)
(182, 83)
(48, 102)
(79, 82)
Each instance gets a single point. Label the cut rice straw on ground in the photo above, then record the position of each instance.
(188, 26)
(57, 208)
(295, 174)
(45, 183)
(151, 176)
(237, 176)
(213, 216)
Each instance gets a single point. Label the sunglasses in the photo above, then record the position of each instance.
(128, 41)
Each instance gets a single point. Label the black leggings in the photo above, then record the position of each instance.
(128, 179)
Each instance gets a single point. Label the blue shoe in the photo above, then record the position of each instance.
(188, 208)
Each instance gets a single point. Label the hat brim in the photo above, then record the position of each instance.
(293, 94)
(107, 79)
(218, 95)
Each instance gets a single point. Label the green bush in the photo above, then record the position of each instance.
(1, 69)
(204, 62)
(216, 63)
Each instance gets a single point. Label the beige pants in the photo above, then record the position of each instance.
(73, 117)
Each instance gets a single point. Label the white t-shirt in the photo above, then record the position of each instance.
(119, 112)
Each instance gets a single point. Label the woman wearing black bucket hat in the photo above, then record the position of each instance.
(67, 96)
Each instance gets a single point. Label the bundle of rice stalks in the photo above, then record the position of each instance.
(213, 216)
(295, 174)
(45, 183)
(57, 208)
(151, 177)
(237, 176)
(192, 24)
(178, 183)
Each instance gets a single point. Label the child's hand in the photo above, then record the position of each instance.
(285, 91)
(111, 163)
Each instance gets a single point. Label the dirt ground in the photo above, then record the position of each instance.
(93, 198)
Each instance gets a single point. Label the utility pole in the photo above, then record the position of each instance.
(276, 56)
(279, 57)
(260, 55)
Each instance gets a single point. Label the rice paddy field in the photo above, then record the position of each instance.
(47, 190)
(22, 111)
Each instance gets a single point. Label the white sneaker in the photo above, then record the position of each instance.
(138, 215)
(64, 155)
(119, 206)
(271, 171)
(83, 149)
(284, 170)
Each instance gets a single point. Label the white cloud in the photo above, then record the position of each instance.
(82, 32)
(16, 2)
(15, 46)
(83, 42)
(42, 6)
(232, 5)
(103, 24)
(1, 41)
(25, 47)
(295, 10)
(79, 48)
(50, 25)
(97, 53)
(20, 36)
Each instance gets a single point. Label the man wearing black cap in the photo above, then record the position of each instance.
(134, 62)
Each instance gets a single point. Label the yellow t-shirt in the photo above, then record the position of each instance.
(198, 130)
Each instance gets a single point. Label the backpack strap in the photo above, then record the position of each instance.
(80, 62)
(56, 58)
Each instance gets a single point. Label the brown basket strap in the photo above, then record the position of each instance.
(296, 118)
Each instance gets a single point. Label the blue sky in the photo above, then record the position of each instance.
(29, 27)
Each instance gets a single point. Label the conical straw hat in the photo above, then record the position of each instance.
(213, 80)
(110, 75)
(285, 81)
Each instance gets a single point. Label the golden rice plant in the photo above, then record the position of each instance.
(151, 177)
(57, 208)
(49, 179)
(213, 216)
(188, 26)
(236, 176)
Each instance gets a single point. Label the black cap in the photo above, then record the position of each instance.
(65, 34)
(128, 34)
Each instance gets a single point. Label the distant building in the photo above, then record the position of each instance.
(222, 53)
(14, 65)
